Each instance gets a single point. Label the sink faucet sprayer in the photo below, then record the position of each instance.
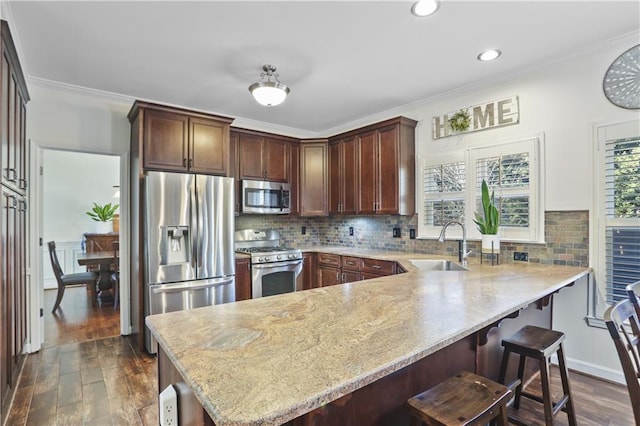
(462, 253)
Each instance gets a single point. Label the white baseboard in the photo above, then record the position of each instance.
(594, 370)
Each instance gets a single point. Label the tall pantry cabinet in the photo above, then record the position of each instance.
(13, 218)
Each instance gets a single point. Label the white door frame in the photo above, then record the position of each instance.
(35, 265)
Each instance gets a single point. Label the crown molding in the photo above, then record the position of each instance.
(80, 90)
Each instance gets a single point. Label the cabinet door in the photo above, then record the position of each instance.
(209, 147)
(309, 271)
(243, 279)
(166, 141)
(294, 181)
(5, 300)
(233, 168)
(313, 179)
(388, 168)
(276, 160)
(351, 276)
(5, 106)
(328, 276)
(349, 176)
(367, 176)
(250, 157)
(335, 177)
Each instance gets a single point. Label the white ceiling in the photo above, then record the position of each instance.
(343, 60)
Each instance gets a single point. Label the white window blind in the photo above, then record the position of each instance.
(508, 178)
(444, 189)
(622, 215)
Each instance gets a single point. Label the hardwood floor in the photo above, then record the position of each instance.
(86, 374)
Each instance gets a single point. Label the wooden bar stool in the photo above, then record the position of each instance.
(466, 399)
(539, 343)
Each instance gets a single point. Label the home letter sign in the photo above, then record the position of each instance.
(485, 116)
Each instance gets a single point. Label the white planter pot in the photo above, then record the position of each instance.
(491, 244)
(104, 227)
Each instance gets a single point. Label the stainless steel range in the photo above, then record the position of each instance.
(274, 269)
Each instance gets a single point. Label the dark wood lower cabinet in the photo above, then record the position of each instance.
(309, 271)
(243, 279)
(382, 402)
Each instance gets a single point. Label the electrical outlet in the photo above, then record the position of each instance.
(304, 230)
(412, 234)
(168, 407)
(521, 256)
(351, 230)
(397, 232)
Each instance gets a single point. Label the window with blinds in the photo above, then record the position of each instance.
(622, 215)
(508, 177)
(450, 189)
(444, 193)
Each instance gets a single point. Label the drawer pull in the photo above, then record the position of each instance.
(376, 266)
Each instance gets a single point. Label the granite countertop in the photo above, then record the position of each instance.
(269, 360)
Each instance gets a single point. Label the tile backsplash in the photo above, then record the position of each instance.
(566, 235)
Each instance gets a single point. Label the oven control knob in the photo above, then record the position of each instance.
(278, 257)
(266, 259)
(292, 256)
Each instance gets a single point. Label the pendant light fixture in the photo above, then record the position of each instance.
(269, 91)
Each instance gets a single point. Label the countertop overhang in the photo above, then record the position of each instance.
(269, 360)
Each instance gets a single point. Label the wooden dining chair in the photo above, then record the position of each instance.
(627, 343)
(88, 278)
(115, 276)
(633, 291)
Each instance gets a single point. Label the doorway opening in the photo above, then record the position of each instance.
(71, 182)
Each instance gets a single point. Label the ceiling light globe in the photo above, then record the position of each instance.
(269, 93)
(425, 7)
(489, 55)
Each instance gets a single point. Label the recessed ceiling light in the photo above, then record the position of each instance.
(425, 7)
(489, 55)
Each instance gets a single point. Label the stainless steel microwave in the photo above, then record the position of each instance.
(262, 197)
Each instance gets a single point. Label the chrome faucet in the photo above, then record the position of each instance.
(463, 253)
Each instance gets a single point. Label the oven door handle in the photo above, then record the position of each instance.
(276, 265)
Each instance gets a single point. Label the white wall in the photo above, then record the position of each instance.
(72, 182)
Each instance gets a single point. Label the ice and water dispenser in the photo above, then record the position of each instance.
(175, 247)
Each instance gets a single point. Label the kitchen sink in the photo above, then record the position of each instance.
(437, 265)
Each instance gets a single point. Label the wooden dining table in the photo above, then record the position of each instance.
(103, 260)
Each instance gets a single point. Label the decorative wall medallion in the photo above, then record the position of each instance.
(621, 82)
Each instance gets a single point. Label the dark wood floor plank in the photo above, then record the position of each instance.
(123, 412)
(20, 406)
(69, 389)
(70, 414)
(94, 397)
(43, 408)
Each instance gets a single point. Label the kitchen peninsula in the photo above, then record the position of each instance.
(349, 353)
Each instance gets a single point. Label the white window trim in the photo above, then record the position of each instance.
(597, 252)
(534, 234)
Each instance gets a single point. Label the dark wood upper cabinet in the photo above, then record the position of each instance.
(343, 176)
(313, 178)
(262, 157)
(182, 141)
(375, 167)
(209, 146)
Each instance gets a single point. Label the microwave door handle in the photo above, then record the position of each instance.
(281, 198)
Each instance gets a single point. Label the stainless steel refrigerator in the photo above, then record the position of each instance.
(189, 226)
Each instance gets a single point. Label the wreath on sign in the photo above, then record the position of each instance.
(460, 121)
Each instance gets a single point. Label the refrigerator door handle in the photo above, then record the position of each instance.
(195, 230)
(189, 285)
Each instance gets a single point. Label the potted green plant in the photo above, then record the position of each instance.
(460, 121)
(104, 215)
(488, 222)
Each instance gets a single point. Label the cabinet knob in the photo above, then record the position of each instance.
(184, 162)
(190, 162)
